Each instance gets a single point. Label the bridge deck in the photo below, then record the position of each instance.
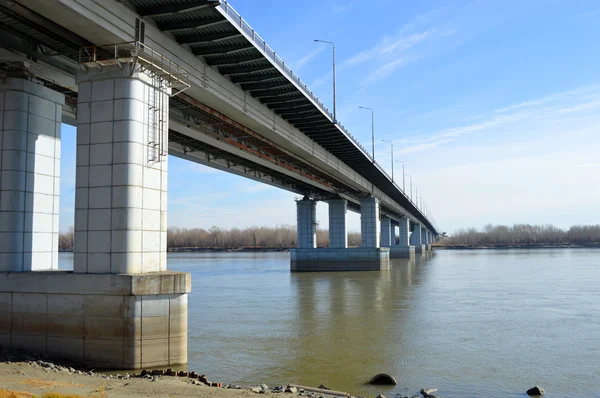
(214, 31)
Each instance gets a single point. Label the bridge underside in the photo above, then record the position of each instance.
(214, 33)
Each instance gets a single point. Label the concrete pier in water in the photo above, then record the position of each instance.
(339, 257)
(120, 307)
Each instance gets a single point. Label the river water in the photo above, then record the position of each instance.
(476, 323)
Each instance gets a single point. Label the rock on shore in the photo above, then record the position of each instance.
(535, 391)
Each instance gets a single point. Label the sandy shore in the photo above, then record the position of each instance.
(25, 375)
(28, 378)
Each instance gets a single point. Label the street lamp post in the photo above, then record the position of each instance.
(403, 184)
(411, 195)
(334, 91)
(417, 196)
(372, 129)
(392, 145)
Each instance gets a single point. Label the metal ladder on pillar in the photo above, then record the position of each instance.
(157, 120)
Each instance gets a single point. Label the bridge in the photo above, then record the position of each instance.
(143, 79)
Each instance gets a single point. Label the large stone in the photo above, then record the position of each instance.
(535, 391)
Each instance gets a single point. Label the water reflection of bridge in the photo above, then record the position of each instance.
(351, 321)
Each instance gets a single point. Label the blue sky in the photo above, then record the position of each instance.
(494, 106)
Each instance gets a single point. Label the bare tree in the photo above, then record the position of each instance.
(524, 234)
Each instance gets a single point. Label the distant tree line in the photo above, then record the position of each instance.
(524, 234)
(282, 237)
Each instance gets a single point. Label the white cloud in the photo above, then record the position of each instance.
(517, 164)
(588, 165)
(557, 108)
(390, 46)
(344, 6)
(302, 62)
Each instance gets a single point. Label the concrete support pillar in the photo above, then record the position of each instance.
(121, 178)
(338, 230)
(424, 236)
(307, 223)
(386, 231)
(369, 222)
(415, 237)
(30, 116)
(404, 232)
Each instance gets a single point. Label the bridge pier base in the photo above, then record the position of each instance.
(111, 321)
(331, 259)
(338, 257)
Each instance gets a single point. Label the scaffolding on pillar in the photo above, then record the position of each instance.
(168, 79)
(136, 53)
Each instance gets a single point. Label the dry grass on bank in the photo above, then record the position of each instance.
(22, 394)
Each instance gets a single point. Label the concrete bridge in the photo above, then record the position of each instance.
(186, 78)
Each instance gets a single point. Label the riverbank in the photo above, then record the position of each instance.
(523, 246)
(24, 375)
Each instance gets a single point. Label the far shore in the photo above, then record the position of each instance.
(434, 246)
(226, 249)
(523, 246)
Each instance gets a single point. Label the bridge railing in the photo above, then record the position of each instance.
(262, 45)
(251, 34)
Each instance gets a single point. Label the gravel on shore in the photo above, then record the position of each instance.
(26, 375)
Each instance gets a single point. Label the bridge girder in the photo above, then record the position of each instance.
(266, 86)
(204, 38)
(254, 78)
(273, 93)
(193, 24)
(241, 70)
(229, 49)
(176, 8)
(283, 100)
(237, 61)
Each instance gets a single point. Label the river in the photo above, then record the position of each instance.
(471, 323)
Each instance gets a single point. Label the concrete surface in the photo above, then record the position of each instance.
(338, 230)
(30, 117)
(351, 259)
(121, 181)
(104, 321)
